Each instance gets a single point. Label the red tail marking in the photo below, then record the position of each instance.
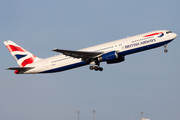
(16, 71)
(13, 48)
(28, 61)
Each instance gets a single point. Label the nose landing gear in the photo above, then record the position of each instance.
(165, 50)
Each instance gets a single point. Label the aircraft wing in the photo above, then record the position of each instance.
(78, 54)
(20, 68)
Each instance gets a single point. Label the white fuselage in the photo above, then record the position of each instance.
(123, 47)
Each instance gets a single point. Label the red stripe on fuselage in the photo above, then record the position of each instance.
(13, 48)
(28, 61)
(153, 34)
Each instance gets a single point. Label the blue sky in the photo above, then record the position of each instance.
(146, 82)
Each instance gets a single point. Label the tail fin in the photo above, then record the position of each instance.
(22, 56)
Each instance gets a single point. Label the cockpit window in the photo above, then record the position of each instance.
(168, 32)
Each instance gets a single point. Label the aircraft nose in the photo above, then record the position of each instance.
(174, 35)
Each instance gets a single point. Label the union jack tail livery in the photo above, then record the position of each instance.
(22, 56)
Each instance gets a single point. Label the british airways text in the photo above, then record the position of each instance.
(140, 43)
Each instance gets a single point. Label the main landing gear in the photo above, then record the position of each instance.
(96, 68)
(165, 50)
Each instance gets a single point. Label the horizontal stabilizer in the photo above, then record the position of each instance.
(20, 68)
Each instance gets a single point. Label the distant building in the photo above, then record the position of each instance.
(142, 118)
(145, 118)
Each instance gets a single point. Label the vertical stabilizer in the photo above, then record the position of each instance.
(22, 56)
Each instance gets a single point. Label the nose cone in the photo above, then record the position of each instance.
(175, 35)
(172, 36)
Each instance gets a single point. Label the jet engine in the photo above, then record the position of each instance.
(111, 57)
(119, 59)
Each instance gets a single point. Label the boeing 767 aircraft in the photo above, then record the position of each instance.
(111, 52)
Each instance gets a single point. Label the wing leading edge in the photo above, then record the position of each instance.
(78, 54)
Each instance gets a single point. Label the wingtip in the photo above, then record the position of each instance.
(54, 49)
(7, 68)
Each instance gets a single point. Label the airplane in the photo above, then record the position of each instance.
(111, 52)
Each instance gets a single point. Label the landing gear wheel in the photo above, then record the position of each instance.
(96, 68)
(100, 69)
(165, 50)
(91, 67)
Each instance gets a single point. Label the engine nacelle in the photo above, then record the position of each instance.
(108, 56)
(120, 59)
